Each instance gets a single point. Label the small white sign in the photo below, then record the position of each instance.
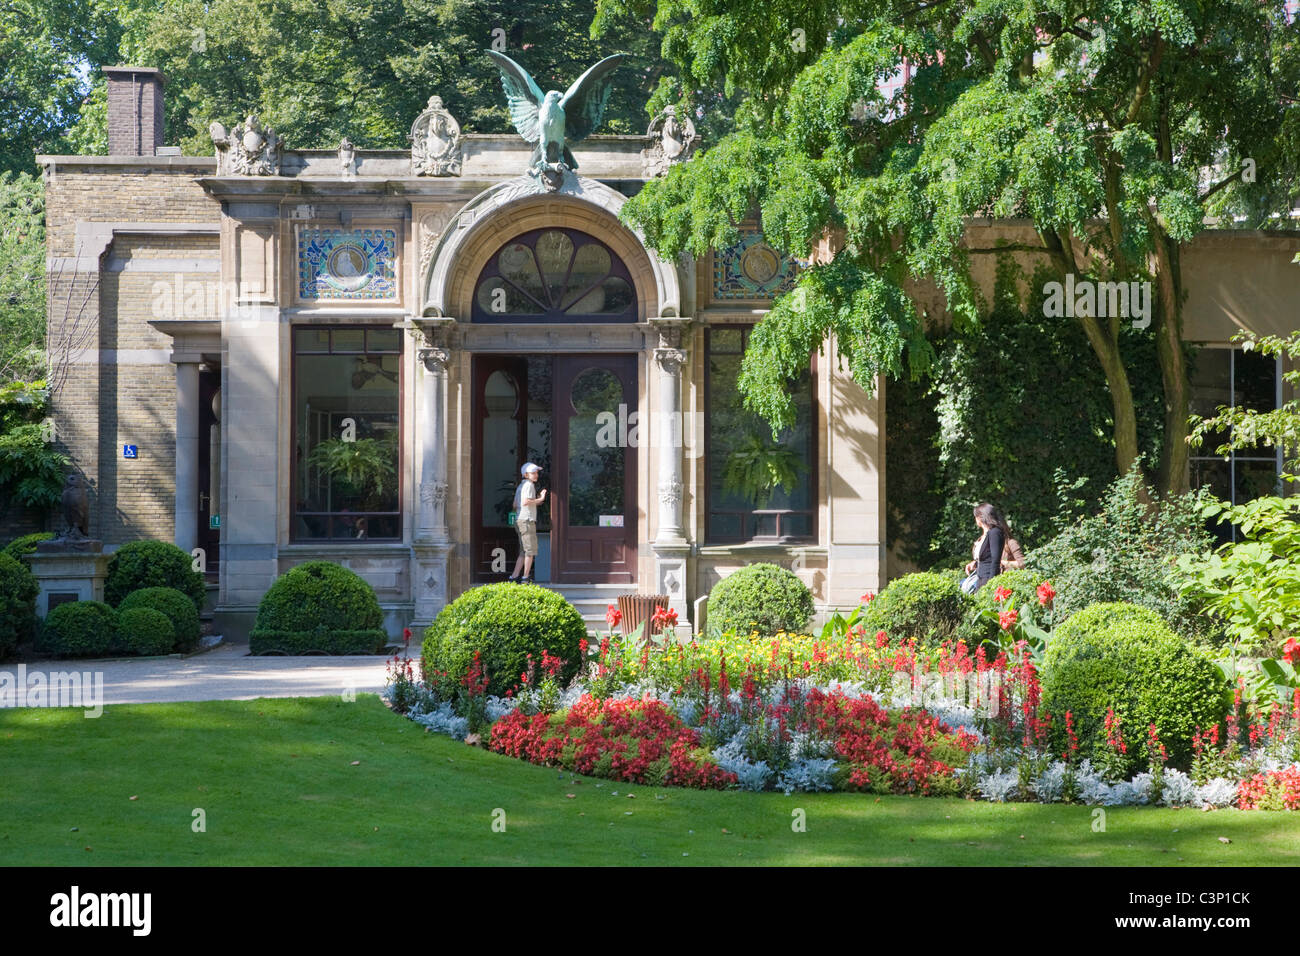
(611, 521)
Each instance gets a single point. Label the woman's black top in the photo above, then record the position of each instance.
(989, 563)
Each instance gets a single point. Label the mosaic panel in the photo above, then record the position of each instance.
(347, 264)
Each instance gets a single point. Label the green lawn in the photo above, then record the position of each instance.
(276, 781)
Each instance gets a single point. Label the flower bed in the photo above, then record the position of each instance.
(848, 710)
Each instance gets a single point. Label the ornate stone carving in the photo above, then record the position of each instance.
(435, 359)
(670, 360)
(670, 492)
(432, 226)
(247, 150)
(347, 159)
(672, 139)
(433, 492)
(436, 145)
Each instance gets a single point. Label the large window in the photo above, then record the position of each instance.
(554, 275)
(346, 401)
(759, 489)
(1225, 376)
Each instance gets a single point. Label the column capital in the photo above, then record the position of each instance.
(672, 330)
(430, 331)
(434, 359)
(670, 360)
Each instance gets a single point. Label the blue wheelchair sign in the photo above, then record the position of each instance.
(130, 451)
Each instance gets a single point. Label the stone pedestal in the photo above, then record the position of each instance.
(68, 571)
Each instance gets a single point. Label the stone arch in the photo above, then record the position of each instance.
(506, 210)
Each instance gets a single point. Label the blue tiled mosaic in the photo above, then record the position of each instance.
(348, 264)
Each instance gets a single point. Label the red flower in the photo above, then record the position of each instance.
(868, 597)
(664, 615)
(881, 638)
(1007, 619)
(406, 635)
(1291, 650)
(613, 616)
(1046, 593)
(1001, 594)
(582, 647)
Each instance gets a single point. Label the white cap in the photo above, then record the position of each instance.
(529, 467)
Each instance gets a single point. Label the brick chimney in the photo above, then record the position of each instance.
(135, 110)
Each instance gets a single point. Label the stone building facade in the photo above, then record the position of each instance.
(276, 355)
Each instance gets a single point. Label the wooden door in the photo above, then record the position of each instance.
(594, 502)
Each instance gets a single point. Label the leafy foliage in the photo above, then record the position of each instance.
(762, 597)
(18, 591)
(319, 597)
(1125, 552)
(79, 629)
(21, 547)
(176, 606)
(149, 564)
(31, 470)
(1094, 121)
(981, 623)
(366, 467)
(926, 605)
(1115, 656)
(22, 275)
(1251, 585)
(504, 624)
(144, 631)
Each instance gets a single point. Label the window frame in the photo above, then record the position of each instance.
(330, 516)
(1205, 454)
(814, 462)
(555, 316)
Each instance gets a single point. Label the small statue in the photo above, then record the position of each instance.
(435, 141)
(76, 508)
(347, 156)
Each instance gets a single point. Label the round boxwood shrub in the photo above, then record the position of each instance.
(178, 609)
(504, 623)
(1123, 657)
(18, 590)
(926, 605)
(150, 564)
(79, 629)
(319, 607)
(21, 547)
(144, 631)
(1023, 585)
(759, 597)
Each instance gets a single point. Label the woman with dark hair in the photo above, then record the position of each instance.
(987, 551)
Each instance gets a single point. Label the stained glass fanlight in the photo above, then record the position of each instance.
(554, 275)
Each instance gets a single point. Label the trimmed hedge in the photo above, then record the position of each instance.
(80, 629)
(21, 547)
(1124, 657)
(927, 605)
(759, 597)
(144, 631)
(1023, 585)
(505, 623)
(178, 608)
(149, 564)
(18, 591)
(322, 607)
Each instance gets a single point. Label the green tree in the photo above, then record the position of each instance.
(47, 48)
(22, 276)
(1096, 120)
(318, 70)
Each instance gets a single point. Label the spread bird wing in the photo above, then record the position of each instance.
(584, 103)
(523, 95)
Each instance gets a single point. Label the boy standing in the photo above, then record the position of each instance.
(527, 498)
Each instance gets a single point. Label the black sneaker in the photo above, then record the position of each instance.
(526, 581)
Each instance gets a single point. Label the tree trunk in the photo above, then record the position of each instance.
(1121, 393)
(1174, 452)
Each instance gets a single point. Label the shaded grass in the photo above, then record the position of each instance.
(275, 781)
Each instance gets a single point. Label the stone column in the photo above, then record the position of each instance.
(432, 540)
(186, 532)
(670, 545)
